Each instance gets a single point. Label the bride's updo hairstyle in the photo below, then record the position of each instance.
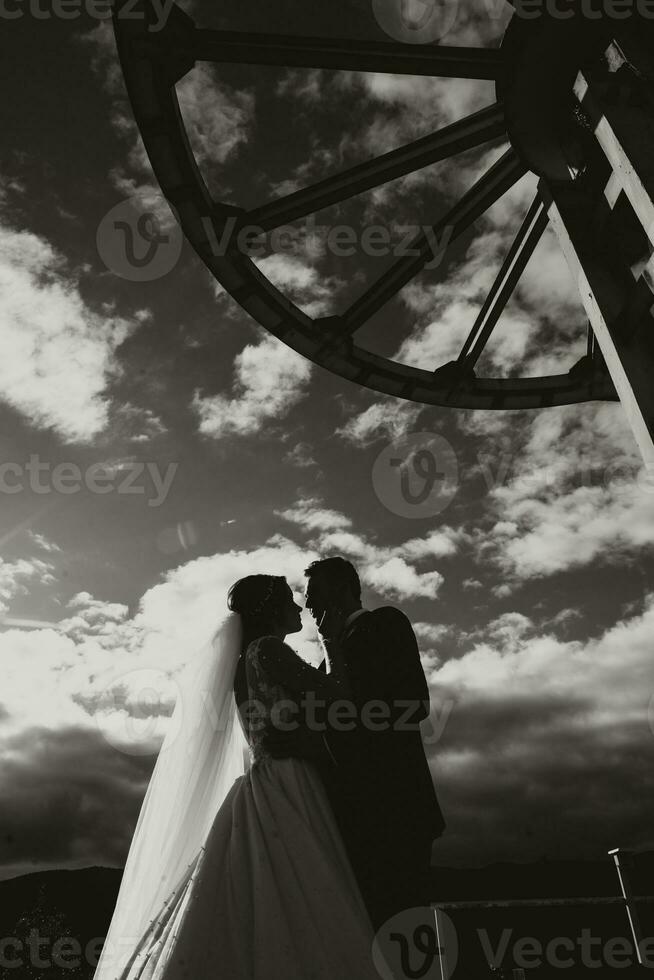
(259, 600)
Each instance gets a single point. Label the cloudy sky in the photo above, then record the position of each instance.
(223, 452)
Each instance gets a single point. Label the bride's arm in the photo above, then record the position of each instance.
(282, 665)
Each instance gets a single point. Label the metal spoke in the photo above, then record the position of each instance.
(491, 186)
(464, 134)
(237, 48)
(521, 250)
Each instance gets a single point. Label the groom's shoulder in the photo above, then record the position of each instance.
(389, 617)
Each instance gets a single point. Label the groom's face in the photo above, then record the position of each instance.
(318, 598)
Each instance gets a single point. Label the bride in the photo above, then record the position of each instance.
(235, 873)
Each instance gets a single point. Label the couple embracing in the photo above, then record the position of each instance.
(287, 866)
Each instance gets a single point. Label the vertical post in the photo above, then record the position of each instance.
(605, 224)
(439, 944)
(622, 860)
(618, 307)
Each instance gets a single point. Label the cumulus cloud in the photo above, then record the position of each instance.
(303, 282)
(78, 738)
(301, 455)
(541, 737)
(59, 356)
(566, 488)
(381, 420)
(404, 571)
(137, 423)
(310, 515)
(430, 632)
(218, 118)
(16, 577)
(397, 579)
(270, 380)
(98, 642)
(41, 541)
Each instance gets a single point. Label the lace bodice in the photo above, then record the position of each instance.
(278, 680)
(270, 703)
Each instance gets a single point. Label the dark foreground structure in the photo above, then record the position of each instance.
(53, 923)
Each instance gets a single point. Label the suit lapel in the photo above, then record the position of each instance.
(353, 627)
(347, 636)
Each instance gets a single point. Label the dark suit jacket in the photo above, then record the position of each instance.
(381, 788)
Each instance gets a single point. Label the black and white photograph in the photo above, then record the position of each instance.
(327, 490)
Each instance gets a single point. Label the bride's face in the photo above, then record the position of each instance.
(291, 613)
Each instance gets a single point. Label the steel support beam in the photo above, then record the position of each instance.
(471, 131)
(619, 308)
(625, 131)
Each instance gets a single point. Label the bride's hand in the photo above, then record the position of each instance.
(332, 625)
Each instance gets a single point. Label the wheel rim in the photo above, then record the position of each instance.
(152, 63)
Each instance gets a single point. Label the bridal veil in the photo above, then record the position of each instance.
(202, 755)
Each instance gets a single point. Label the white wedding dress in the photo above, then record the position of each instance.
(271, 894)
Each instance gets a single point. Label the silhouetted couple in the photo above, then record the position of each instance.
(287, 866)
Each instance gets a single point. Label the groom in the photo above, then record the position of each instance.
(380, 786)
